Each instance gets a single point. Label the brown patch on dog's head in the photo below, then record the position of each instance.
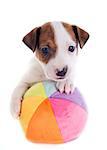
(78, 35)
(69, 29)
(39, 38)
(46, 39)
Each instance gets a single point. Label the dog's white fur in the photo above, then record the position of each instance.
(40, 71)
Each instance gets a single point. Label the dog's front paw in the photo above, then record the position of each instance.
(15, 108)
(65, 86)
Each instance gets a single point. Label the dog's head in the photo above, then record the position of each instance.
(56, 47)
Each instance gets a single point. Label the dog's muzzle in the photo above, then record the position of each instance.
(61, 73)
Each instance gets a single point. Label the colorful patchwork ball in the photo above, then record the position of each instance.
(47, 116)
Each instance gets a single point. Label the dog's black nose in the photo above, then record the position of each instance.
(62, 72)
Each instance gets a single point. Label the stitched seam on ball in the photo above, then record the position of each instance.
(34, 114)
(59, 141)
(57, 121)
(83, 107)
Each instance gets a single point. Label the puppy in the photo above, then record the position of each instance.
(55, 47)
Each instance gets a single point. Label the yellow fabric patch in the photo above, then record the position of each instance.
(29, 106)
(36, 90)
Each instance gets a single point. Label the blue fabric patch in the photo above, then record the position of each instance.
(49, 87)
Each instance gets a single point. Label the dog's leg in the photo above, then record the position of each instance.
(17, 98)
(67, 85)
(32, 76)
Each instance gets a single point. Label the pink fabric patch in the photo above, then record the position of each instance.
(71, 118)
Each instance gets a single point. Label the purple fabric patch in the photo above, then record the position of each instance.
(75, 97)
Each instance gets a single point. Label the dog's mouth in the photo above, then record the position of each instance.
(60, 78)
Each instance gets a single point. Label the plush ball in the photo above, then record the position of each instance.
(47, 116)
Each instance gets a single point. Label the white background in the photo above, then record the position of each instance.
(17, 17)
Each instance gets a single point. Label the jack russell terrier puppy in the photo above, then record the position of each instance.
(55, 47)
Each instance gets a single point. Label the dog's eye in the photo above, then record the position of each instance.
(45, 50)
(71, 48)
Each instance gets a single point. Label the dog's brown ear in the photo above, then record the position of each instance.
(81, 35)
(32, 39)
